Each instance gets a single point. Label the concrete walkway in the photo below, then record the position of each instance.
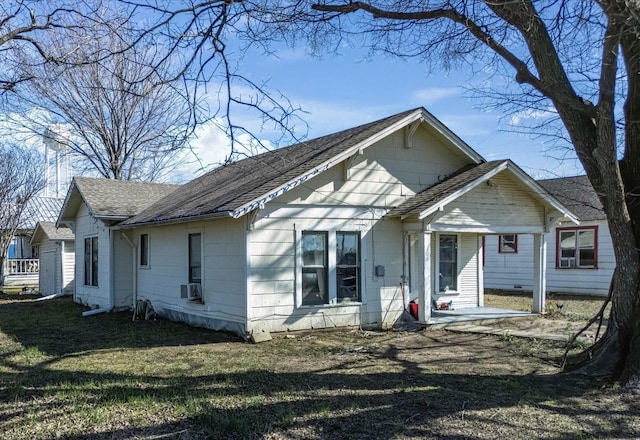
(488, 330)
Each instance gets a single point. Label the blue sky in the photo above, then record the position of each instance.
(339, 92)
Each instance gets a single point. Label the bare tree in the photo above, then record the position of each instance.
(582, 59)
(125, 120)
(210, 39)
(24, 29)
(21, 178)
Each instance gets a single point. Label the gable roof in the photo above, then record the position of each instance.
(240, 187)
(577, 194)
(49, 230)
(111, 200)
(464, 180)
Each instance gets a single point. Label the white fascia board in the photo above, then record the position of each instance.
(451, 137)
(536, 188)
(462, 191)
(65, 205)
(175, 220)
(419, 114)
(486, 230)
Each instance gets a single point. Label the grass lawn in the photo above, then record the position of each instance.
(103, 376)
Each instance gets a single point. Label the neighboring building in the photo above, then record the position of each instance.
(22, 265)
(103, 256)
(580, 257)
(324, 233)
(57, 258)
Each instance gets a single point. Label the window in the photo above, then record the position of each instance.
(330, 267)
(91, 261)
(144, 250)
(577, 248)
(448, 263)
(348, 266)
(508, 244)
(195, 258)
(314, 268)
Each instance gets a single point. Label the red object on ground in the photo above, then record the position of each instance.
(413, 309)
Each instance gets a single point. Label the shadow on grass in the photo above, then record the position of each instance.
(56, 327)
(383, 391)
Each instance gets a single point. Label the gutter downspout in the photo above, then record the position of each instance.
(134, 252)
(96, 311)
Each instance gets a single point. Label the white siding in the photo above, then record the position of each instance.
(49, 279)
(501, 203)
(122, 271)
(273, 300)
(515, 271)
(68, 266)
(467, 294)
(86, 227)
(223, 271)
(384, 176)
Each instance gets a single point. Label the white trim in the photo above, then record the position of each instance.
(484, 229)
(516, 172)
(418, 115)
(339, 213)
(139, 253)
(331, 263)
(248, 283)
(202, 262)
(437, 290)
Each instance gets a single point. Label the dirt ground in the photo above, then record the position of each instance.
(106, 377)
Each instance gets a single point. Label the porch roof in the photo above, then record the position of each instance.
(464, 180)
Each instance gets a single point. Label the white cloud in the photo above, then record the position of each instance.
(531, 114)
(429, 96)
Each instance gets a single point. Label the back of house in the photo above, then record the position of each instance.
(580, 257)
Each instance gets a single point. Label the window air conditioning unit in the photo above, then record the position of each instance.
(568, 262)
(191, 291)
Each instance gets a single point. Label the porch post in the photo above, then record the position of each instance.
(424, 309)
(539, 272)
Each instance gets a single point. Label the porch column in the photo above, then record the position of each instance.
(424, 297)
(539, 272)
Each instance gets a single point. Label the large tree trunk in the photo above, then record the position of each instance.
(617, 354)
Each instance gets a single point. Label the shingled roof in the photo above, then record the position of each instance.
(577, 194)
(437, 193)
(49, 230)
(112, 199)
(239, 187)
(463, 180)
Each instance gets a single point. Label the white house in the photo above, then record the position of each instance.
(103, 257)
(333, 231)
(21, 267)
(580, 257)
(57, 258)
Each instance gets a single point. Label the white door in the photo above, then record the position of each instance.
(48, 272)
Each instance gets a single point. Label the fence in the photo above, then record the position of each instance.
(23, 266)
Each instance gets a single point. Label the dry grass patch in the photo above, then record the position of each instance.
(105, 377)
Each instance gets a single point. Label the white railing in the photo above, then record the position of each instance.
(23, 266)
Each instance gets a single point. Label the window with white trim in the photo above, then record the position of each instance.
(508, 244)
(144, 250)
(330, 267)
(91, 261)
(577, 248)
(448, 262)
(195, 258)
